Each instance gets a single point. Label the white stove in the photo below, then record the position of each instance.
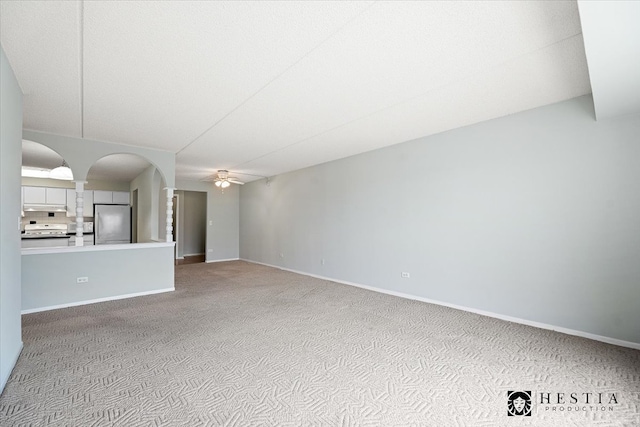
(45, 230)
(45, 236)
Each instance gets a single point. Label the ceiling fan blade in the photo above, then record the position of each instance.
(235, 181)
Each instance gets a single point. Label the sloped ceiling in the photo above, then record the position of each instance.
(262, 88)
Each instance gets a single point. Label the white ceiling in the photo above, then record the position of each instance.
(263, 88)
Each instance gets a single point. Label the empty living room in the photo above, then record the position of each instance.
(419, 213)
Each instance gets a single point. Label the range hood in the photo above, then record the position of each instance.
(43, 208)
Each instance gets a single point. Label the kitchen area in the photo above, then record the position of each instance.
(125, 195)
(49, 217)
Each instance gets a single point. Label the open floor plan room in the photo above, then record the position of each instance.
(319, 213)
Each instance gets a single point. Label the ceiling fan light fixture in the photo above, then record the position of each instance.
(223, 180)
(62, 172)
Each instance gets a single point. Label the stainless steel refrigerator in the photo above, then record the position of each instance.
(112, 224)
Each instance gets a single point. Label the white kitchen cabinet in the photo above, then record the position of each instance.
(71, 203)
(101, 196)
(34, 195)
(117, 197)
(121, 197)
(55, 196)
(87, 203)
(44, 195)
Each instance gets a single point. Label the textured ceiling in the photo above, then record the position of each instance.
(263, 88)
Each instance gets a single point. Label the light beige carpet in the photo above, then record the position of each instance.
(239, 344)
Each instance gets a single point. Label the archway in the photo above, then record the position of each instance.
(146, 186)
(38, 161)
(108, 198)
(43, 197)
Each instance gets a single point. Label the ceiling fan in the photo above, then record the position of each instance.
(223, 180)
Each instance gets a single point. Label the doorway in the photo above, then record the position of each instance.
(190, 226)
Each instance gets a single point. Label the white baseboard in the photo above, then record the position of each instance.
(222, 260)
(608, 340)
(198, 254)
(93, 301)
(13, 360)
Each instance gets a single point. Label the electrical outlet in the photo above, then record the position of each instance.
(281, 255)
(322, 261)
(209, 250)
(210, 222)
(82, 280)
(405, 275)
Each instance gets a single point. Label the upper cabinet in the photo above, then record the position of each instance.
(56, 196)
(67, 197)
(44, 196)
(100, 196)
(121, 197)
(108, 197)
(34, 195)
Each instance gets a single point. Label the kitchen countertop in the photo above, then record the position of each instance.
(39, 236)
(94, 248)
(57, 236)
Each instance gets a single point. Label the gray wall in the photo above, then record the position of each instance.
(152, 202)
(10, 161)
(533, 216)
(160, 212)
(223, 213)
(111, 273)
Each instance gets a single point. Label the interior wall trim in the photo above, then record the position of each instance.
(223, 260)
(540, 325)
(93, 301)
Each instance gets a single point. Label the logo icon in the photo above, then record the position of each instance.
(519, 403)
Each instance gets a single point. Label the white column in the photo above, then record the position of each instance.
(79, 212)
(169, 214)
